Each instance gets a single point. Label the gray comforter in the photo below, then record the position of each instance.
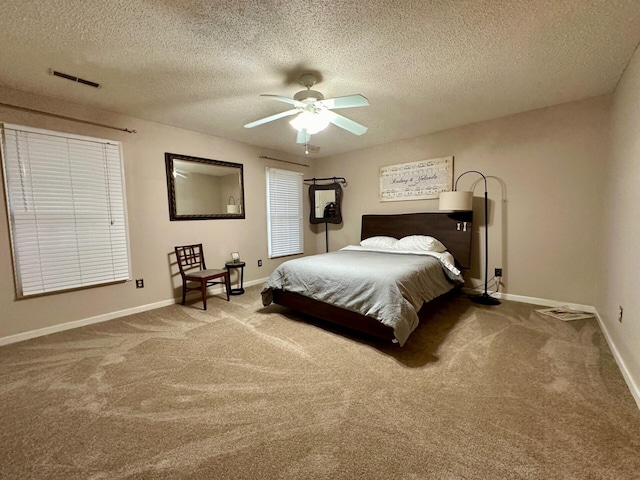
(386, 286)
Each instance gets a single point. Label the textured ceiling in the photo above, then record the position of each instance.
(423, 65)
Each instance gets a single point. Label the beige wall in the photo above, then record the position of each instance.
(152, 235)
(545, 170)
(619, 259)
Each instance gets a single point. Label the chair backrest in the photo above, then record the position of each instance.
(190, 257)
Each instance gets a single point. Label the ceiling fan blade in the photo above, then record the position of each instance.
(345, 102)
(280, 98)
(346, 123)
(271, 118)
(303, 137)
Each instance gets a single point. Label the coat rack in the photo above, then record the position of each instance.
(326, 202)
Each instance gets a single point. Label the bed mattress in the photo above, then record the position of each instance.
(388, 287)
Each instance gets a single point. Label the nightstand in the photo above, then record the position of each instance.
(236, 265)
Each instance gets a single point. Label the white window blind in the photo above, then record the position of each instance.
(284, 212)
(66, 203)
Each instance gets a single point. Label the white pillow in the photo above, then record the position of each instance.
(379, 242)
(420, 243)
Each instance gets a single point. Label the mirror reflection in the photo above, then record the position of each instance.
(201, 189)
(325, 203)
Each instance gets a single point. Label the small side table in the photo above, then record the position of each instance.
(240, 265)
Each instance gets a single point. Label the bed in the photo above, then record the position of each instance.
(386, 288)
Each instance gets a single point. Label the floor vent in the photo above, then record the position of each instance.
(75, 79)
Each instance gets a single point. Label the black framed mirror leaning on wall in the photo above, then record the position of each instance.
(204, 189)
(326, 203)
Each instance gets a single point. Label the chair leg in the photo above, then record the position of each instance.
(203, 288)
(227, 284)
(184, 291)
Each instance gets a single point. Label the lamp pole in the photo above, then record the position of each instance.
(485, 298)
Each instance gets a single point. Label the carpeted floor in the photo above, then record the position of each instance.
(246, 392)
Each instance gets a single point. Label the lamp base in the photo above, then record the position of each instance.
(485, 299)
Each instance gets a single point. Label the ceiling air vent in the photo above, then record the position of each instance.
(75, 79)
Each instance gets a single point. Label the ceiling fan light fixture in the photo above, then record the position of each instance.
(311, 122)
(313, 113)
(308, 96)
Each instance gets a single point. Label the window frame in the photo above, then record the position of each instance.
(279, 246)
(91, 235)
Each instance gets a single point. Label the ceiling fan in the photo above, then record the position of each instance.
(314, 112)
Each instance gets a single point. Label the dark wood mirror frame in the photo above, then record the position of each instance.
(315, 193)
(204, 168)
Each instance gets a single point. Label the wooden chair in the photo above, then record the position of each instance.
(193, 269)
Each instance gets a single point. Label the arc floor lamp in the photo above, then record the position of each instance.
(463, 201)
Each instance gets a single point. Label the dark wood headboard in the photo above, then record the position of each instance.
(449, 228)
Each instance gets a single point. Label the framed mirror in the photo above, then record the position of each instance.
(204, 189)
(326, 201)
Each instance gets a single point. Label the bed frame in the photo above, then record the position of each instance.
(452, 229)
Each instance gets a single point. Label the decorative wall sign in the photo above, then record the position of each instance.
(416, 180)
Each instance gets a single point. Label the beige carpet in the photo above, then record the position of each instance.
(245, 392)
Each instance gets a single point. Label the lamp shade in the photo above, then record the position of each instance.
(456, 201)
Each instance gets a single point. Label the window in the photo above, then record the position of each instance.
(284, 212)
(66, 206)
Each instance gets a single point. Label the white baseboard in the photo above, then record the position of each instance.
(631, 383)
(19, 337)
(628, 378)
(532, 300)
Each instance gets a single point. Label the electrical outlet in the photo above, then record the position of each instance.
(620, 313)
(259, 263)
(139, 283)
(498, 272)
